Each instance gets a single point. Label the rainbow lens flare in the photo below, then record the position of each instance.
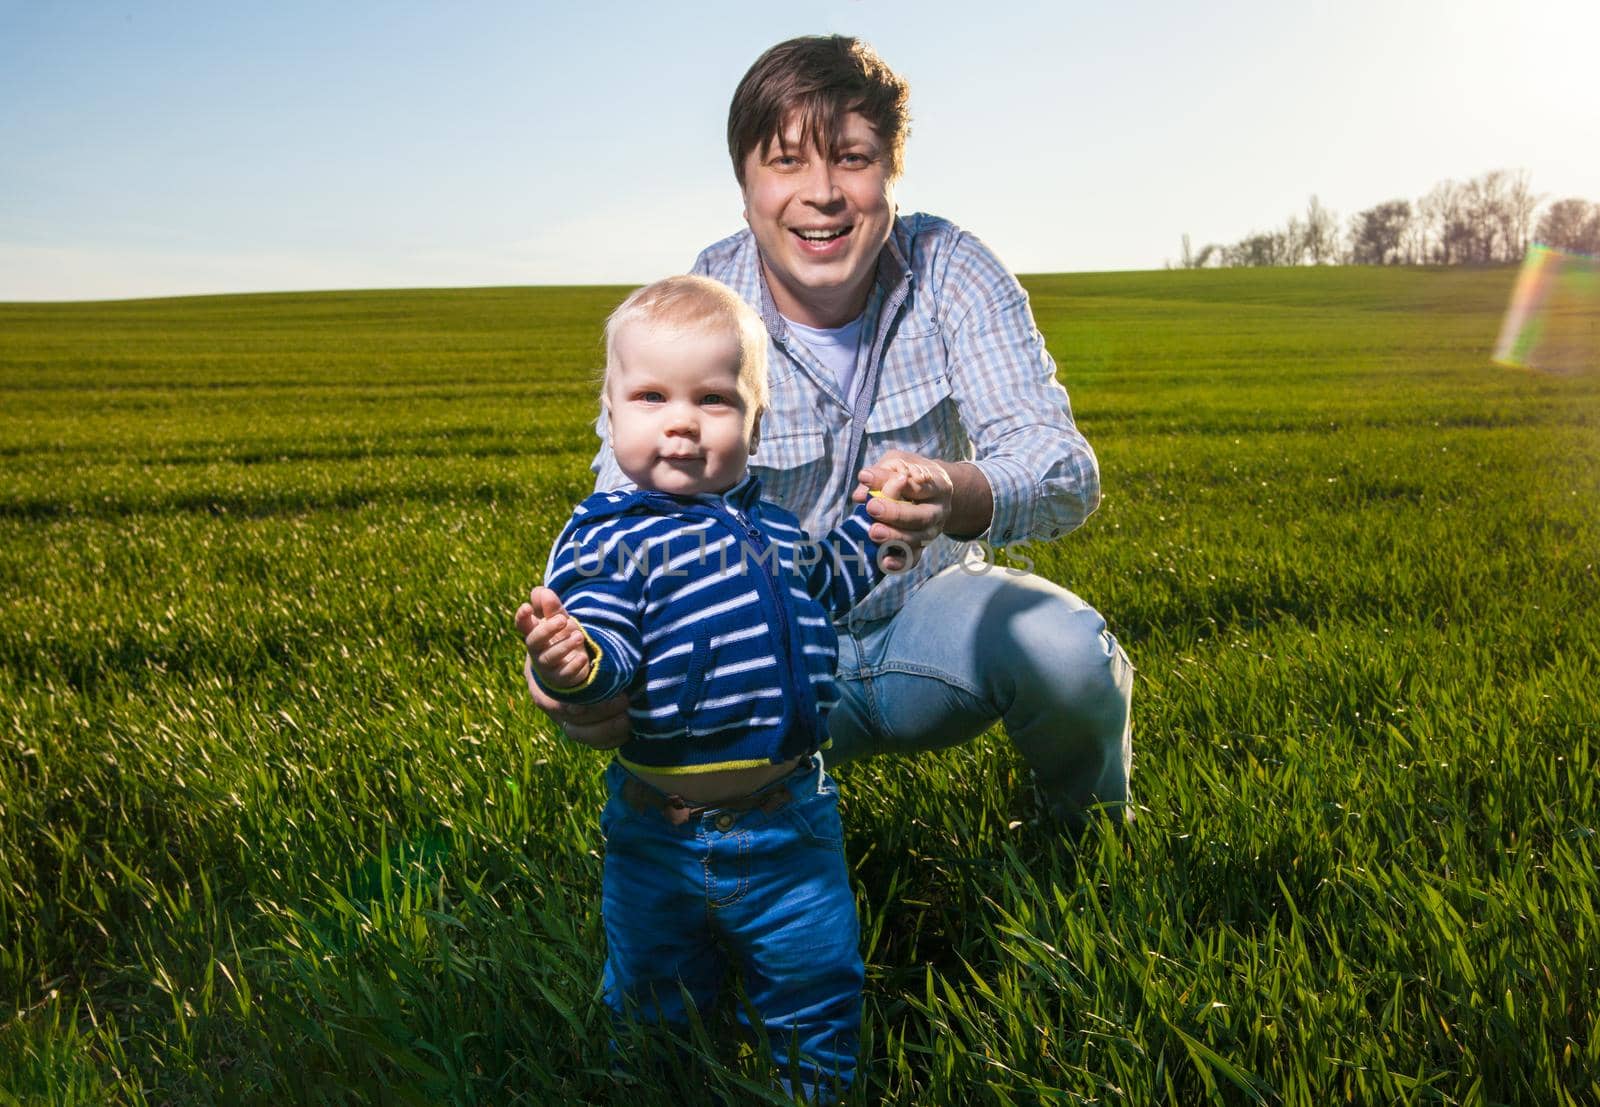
(1553, 322)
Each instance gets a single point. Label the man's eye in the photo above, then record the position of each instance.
(854, 161)
(785, 161)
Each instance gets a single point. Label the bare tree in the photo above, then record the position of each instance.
(1485, 219)
(1414, 239)
(1571, 224)
(1442, 210)
(1521, 203)
(1321, 234)
(1208, 253)
(1497, 208)
(1376, 234)
(1292, 242)
(1482, 213)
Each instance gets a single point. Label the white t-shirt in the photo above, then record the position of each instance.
(838, 348)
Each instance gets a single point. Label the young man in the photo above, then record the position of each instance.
(905, 339)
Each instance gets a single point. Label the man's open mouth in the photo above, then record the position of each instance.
(821, 235)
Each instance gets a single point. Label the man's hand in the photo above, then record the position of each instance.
(548, 632)
(960, 504)
(912, 484)
(913, 505)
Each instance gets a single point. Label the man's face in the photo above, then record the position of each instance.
(678, 420)
(820, 220)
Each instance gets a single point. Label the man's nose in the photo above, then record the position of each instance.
(819, 186)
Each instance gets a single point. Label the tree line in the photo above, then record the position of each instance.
(1487, 219)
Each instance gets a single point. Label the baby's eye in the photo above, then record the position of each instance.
(714, 398)
(651, 397)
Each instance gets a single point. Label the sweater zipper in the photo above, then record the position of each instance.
(805, 711)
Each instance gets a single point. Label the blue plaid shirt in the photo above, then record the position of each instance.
(962, 375)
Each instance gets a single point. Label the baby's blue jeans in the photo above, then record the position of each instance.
(768, 889)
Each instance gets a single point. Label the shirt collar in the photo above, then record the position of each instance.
(893, 270)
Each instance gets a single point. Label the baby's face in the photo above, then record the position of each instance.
(678, 421)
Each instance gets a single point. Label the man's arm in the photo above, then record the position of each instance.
(1042, 475)
(971, 500)
(955, 499)
(601, 726)
(1035, 475)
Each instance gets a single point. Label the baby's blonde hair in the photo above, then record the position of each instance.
(693, 303)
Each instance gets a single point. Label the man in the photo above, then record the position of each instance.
(905, 338)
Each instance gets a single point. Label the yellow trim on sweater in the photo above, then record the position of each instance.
(683, 770)
(594, 667)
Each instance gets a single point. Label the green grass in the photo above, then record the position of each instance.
(277, 823)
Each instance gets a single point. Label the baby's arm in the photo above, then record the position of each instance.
(846, 564)
(585, 645)
(557, 645)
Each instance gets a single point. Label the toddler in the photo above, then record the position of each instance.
(712, 611)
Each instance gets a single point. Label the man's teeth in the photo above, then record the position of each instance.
(821, 236)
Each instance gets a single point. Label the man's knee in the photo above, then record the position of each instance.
(1073, 659)
(1071, 707)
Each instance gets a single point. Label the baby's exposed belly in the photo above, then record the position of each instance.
(721, 784)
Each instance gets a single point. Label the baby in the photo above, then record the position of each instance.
(711, 609)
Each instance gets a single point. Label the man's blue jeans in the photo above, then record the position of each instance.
(969, 649)
(769, 889)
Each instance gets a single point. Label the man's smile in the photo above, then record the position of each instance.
(820, 234)
(822, 241)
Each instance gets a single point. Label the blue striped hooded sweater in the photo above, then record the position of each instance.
(715, 614)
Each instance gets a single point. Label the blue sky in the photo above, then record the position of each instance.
(168, 148)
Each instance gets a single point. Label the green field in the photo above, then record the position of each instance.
(278, 824)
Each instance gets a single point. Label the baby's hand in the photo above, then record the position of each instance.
(556, 646)
(918, 485)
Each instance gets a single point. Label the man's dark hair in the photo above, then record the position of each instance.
(818, 80)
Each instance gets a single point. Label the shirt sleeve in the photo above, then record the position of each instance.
(1042, 471)
(842, 568)
(603, 590)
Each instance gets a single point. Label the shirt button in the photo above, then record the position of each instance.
(724, 821)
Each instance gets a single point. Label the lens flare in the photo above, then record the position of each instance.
(1553, 323)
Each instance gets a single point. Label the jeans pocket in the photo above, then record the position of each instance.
(615, 815)
(816, 818)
